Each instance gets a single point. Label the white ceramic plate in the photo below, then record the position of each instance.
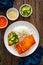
(15, 27)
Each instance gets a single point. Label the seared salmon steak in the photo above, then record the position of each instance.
(25, 44)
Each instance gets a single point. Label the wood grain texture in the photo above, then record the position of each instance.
(36, 19)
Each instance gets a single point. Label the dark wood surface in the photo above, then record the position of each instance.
(36, 19)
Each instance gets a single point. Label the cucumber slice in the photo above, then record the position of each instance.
(13, 38)
(17, 40)
(10, 41)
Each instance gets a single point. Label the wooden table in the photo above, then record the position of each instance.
(36, 19)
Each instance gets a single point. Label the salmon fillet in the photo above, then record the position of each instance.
(25, 44)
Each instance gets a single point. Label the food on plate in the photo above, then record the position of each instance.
(3, 22)
(12, 38)
(21, 40)
(22, 33)
(24, 44)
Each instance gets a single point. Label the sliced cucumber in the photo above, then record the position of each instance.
(13, 38)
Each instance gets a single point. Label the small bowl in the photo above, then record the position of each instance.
(23, 6)
(14, 14)
(3, 22)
